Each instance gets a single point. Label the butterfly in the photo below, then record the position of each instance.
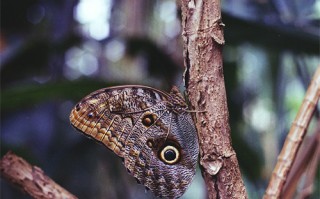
(151, 130)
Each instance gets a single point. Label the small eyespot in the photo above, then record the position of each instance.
(170, 154)
(78, 107)
(148, 119)
(90, 115)
(150, 143)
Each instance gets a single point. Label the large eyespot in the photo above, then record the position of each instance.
(148, 119)
(169, 154)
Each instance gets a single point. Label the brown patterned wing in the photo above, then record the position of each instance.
(150, 129)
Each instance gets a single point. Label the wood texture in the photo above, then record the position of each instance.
(294, 139)
(31, 179)
(305, 165)
(203, 42)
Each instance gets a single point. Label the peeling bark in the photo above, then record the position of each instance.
(203, 41)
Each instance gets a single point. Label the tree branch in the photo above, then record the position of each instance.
(31, 179)
(294, 139)
(203, 40)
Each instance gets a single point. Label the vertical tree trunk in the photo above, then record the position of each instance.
(203, 40)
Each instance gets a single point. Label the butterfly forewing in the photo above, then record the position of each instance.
(149, 129)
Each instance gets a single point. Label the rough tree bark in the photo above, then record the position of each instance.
(31, 179)
(203, 41)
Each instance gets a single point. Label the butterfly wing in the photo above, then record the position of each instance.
(158, 144)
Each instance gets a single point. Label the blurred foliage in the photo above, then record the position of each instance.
(23, 96)
(52, 56)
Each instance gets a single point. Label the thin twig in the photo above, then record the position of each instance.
(294, 139)
(304, 164)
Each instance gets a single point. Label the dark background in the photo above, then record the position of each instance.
(55, 52)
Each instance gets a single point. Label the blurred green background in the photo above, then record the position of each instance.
(55, 52)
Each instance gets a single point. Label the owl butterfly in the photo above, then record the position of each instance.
(152, 131)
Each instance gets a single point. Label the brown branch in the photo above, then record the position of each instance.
(30, 179)
(203, 40)
(294, 138)
(306, 162)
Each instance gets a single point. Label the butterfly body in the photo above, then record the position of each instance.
(151, 130)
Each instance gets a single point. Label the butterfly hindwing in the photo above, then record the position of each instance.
(150, 129)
